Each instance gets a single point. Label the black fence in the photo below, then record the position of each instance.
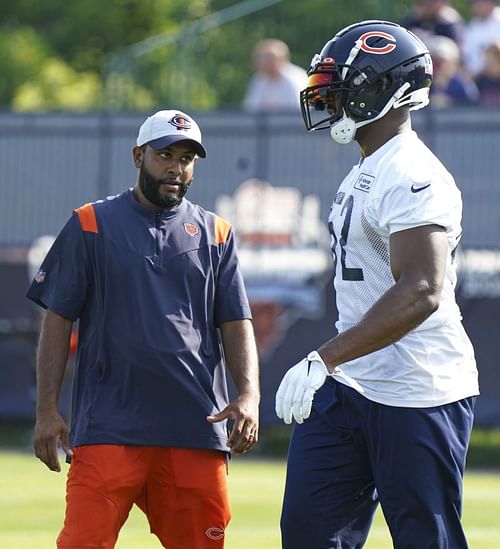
(50, 164)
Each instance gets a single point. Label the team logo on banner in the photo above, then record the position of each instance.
(284, 253)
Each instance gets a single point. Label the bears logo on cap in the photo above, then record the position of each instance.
(180, 122)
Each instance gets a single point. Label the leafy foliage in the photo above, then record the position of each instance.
(21, 52)
(58, 84)
(99, 53)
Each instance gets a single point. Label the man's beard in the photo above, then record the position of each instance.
(150, 187)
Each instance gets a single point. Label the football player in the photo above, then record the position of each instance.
(384, 409)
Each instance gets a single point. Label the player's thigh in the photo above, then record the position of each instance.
(103, 482)
(186, 498)
(419, 459)
(329, 494)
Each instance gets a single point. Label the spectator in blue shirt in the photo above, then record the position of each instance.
(435, 17)
(451, 86)
(488, 81)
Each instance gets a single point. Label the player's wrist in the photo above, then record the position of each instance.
(316, 355)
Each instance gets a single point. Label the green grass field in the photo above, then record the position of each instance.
(32, 507)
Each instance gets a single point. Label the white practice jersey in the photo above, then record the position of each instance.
(400, 186)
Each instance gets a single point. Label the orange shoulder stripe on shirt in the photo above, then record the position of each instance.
(88, 221)
(222, 229)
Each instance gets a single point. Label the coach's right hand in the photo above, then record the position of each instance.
(50, 431)
(296, 391)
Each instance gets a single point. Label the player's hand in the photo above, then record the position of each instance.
(244, 414)
(51, 431)
(296, 391)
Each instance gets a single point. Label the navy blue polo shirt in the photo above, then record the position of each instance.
(150, 288)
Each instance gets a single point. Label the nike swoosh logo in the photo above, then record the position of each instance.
(418, 189)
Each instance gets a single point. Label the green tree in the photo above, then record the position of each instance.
(58, 86)
(22, 51)
(72, 41)
(89, 46)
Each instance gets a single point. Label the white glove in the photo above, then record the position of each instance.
(296, 391)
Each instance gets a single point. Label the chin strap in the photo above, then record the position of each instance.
(344, 130)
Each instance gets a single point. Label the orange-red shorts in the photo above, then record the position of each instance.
(182, 491)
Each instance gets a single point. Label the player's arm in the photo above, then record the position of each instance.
(418, 264)
(240, 352)
(52, 356)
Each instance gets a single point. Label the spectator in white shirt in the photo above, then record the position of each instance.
(277, 82)
(482, 30)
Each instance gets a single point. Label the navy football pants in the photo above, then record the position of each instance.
(353, 453)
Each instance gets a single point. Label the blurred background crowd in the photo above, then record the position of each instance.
(200, 55)
(465, 53)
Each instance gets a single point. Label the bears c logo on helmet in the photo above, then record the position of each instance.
(378, 34)
(180, 122)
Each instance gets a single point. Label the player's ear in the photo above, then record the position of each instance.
(138, 155)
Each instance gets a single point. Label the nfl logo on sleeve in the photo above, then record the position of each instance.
(40, 276)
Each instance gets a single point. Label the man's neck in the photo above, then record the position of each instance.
(373, 136)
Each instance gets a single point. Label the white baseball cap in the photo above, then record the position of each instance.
(164, 128)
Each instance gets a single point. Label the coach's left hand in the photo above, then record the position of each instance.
(244, 413)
